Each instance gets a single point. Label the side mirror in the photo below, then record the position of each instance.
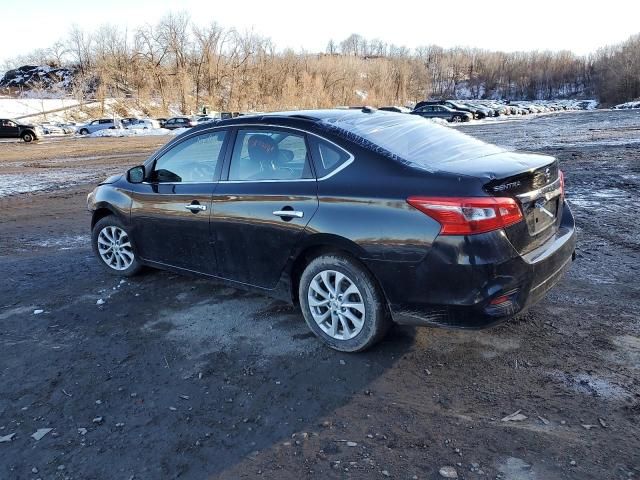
(136, 174)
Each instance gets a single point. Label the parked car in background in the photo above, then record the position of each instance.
(162, 121)
(206, 119)
(126, 121)
(467, 235)
(14, 129)
(452, 105)
(444, 112)
(395, 109)
(481, 111)
(100, 124)
(180, 122)
(67, 128)
(51, 129)
(144, 124)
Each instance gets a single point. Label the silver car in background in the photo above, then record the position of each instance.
(100, 124)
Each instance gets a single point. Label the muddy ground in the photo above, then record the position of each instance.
(176, 377)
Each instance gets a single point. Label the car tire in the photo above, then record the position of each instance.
(342, 303)
(114, 247)
(84, 131)
(456, 119)
(28, 137)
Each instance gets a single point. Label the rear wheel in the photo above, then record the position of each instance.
(113, 246)
(342, 304)
(28, 137)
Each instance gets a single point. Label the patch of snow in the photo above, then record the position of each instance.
(67, 242)
(134, 132)
(592, 385)
(23, 107)
(627, 105)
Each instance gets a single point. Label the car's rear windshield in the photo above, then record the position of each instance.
(410, 139)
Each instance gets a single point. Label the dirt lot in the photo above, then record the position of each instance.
(175, 377)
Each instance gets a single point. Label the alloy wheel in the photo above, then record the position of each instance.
(336, 304)
(115, 248)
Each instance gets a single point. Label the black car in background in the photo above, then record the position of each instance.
(179, 122)
(360, 217)
(442, 111)
(13, 129)
(454, 105)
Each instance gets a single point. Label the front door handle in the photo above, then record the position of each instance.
(289, 213)
(194, 207)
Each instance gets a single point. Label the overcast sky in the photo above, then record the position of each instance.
(581, 26)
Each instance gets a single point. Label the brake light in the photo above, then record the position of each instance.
(561, 175)
(469, 215)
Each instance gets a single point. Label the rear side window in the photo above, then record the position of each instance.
(327, 157)
(260, 155)
(193, 160)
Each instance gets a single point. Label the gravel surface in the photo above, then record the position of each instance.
(162, 376)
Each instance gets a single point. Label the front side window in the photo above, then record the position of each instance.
(193, 160)
(269, 155)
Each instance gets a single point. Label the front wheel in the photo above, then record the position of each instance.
(342, 304)
(27, 137)
(84, 131)
(113, 246)
(456, 119)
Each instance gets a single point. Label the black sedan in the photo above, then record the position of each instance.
(363, 218)
(443, 112)
(179, 122)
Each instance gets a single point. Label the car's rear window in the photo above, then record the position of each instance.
(410, 139)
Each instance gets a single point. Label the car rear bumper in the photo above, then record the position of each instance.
(475, 281)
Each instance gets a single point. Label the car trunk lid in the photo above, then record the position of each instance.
(538, 190)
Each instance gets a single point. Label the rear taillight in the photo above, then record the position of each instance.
(561, 175)
(466, 216)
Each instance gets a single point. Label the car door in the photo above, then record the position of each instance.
(441, 112)
(106, 123)
(171, 208)
(263, 205)
(94, 126)
(8, 129)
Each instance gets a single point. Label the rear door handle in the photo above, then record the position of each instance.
(194, 207)
(289, 213)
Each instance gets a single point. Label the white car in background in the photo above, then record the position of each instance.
(51, 129)
(100, 124)
(144, 124)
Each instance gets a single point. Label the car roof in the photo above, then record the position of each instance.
(297, 116)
